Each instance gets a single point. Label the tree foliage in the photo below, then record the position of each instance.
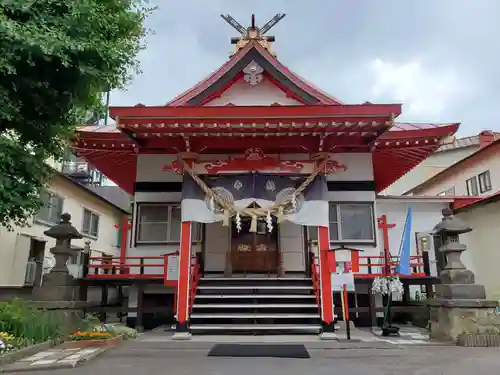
(57, 57)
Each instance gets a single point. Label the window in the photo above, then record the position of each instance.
(448, 193)
(349, 222)
(52, 206)
(75, 258)
(161, 223)
(472, 186)
(484, 182)
(90, 225)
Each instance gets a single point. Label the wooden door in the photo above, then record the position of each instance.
(253, 252)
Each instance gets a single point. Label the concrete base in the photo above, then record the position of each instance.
(328, 336)
(181, 336)
(451, 318)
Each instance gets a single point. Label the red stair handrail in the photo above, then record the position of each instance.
(315, 276)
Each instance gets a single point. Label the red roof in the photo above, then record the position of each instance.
(229, 70)
(322, 124)
(395, 152)
(467, 203)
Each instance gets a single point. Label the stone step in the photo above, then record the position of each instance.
(253, 316)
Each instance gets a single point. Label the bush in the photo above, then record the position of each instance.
(26, 323)
(92, 329)
(126, 332)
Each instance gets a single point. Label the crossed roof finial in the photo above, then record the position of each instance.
(253, 32)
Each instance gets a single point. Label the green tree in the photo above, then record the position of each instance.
(56, 59)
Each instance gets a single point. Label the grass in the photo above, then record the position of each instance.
(28, 324)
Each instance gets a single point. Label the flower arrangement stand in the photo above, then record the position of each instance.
(387, 328)
(387, 285)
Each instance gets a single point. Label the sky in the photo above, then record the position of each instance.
(440, 58)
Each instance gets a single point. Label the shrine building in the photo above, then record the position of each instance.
(253, 188)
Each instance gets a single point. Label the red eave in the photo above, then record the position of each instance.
(255, 112)
(463, 202)
(394, 153)
(182, 99)
(404, 147)
(110, 151)
(466, 203)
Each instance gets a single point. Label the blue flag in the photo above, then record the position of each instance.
(405, 248)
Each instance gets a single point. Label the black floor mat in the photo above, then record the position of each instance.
(256, 350)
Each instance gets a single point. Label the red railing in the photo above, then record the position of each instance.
(195, 278)
(315, 276)
(376, 266)
(131, 267)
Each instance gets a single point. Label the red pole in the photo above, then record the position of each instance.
(347, 269)
(123, 248)
(382, 224)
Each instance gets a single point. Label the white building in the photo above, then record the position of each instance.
(476, 175)
(25, 251)
(446, 156)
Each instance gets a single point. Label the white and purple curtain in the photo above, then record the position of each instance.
(241, 190)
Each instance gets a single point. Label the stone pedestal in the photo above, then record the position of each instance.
(460, 306)
(58, 284)
(451, 318)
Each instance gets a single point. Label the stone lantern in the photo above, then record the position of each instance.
(58, 284)
(456, 280)
(459, 302)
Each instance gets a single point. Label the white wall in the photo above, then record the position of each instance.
(460, 175)
(291, 243)
(15, 249)
(431, 166)
(427, 212)
(150, 169)
(216, 246)
(482, 256)
(264, 93)
(359, 166)
(425, 216)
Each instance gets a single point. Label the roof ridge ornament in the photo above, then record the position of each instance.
(253, 32)
(253, 73)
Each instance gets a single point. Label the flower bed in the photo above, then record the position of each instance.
(8, 343)
(84, 339)
(94, 334)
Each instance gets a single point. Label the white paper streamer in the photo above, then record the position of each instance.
(269, 221)
(238, 222)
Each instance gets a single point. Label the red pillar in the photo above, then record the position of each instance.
(325, 281)
(183, 271)
(123, 246)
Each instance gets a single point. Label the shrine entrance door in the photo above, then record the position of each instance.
(254, 252)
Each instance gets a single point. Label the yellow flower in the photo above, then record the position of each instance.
(4, 336)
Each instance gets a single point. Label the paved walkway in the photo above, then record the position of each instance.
(52, 359)
(146, 357)
(409, 335)
(156, 352)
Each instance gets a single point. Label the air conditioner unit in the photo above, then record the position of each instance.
(30, 276)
